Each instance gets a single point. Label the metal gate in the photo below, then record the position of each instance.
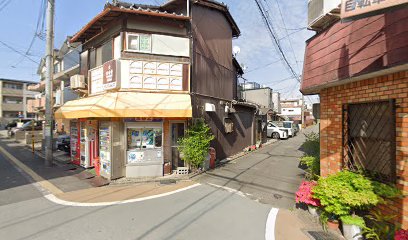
(369, 139)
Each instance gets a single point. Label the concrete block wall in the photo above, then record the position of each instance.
(392, 86)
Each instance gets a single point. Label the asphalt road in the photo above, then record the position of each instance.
(204, 212)
(208, 211)
(14, 187)
(270, 175)
(200, 213)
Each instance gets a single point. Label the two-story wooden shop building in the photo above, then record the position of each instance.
(146, 72)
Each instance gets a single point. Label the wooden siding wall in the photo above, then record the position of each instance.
(226, 144)
(155, 25)
(355, 48)
(213, 72)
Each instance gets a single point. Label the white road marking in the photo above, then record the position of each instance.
(231, 190)
(56, 200)
(270, 224)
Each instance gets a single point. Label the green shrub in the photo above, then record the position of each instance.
(353, 220)
(313, 166)
(386, 191)
(311, 146)
(345, 192)
(311, 159)
(194, 146)
(379, 226)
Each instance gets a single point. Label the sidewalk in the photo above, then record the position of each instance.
(112, 194)
(300, 225)
(69, 183)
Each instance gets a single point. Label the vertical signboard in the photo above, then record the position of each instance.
(110, 80)
(355, 9)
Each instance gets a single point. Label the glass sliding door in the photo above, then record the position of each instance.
(177, 130)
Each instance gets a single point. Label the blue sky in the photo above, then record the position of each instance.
(18, 24)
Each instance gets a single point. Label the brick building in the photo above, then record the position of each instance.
(360, 70)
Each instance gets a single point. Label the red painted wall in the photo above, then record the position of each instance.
(355, 48)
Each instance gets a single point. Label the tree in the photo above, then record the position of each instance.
(194, 146)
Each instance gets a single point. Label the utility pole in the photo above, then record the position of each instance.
(49, 61)
(303, 111)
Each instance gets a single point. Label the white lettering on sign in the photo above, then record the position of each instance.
(355, 9)
(97, 80)
(109, 74)
(151, 75)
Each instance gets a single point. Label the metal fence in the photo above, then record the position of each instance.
(369, 139)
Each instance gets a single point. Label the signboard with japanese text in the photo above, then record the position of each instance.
(138, 74)
(109, 75)
(355, 9)
(104, 78)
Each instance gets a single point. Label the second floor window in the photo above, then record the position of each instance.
(13, 86)
(139, 42)
(13, 100)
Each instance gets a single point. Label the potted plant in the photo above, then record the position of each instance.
(352, 226)
(305, 195)
(193, 147)
(345, 192)
(329, 220)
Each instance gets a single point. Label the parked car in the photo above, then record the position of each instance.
(28, 126)
(64, 143)
(276, 132)
(291, 127)
(13, 123)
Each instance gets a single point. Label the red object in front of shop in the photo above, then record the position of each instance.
(212, 158)
(75, 143)
(97, 166)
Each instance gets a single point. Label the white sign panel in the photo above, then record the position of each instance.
(97, 80)
(151, 75)
(135, 157)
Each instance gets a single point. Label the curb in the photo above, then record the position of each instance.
(229, 159)
(56, 200)
(54, 190)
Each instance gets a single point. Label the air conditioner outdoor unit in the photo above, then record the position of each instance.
(322, 13)
(58, 98)
(78, 82)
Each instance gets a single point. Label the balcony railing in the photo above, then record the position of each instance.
(139, 75)
(12, 107)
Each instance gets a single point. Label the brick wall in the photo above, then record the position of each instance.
(393, 86)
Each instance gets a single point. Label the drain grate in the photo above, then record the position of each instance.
(321, 235)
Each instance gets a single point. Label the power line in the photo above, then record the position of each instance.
(264, 66)
(39, 32)
(274, 38)
(287, 33)
(4, 4)
(19, 52)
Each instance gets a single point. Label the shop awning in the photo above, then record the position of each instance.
(128, 105)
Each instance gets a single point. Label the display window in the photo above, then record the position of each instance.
(141, 138)
(144, 144)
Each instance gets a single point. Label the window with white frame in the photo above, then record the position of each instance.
(139, 42)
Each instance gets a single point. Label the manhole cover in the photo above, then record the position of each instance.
(277, 196)
(321, 235)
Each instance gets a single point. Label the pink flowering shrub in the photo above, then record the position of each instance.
(401, 235)
(304, 194)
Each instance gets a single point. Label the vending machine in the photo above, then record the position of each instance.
(89, 146)
(75, 143)
(111, 160)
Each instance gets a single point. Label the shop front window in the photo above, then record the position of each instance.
(144, 144)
